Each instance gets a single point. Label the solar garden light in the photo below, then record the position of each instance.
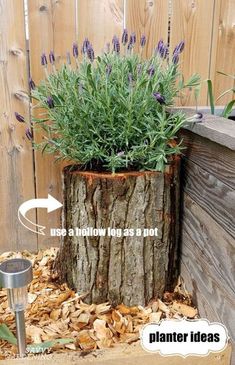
(15, 275)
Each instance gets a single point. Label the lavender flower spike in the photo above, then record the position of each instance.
(180, 46)
(160, 98)
(124, 37)
(50, 102)
(108, 69)
(143, 41)
(31, 84)
(85, 45)
(19, 117)
(52, 57)
(90, 52)
(151, 71)
(43, 59)
(175, 58)
(29, 134)
(75, 50)
(160, 46)
(116, 44)
(132, 38)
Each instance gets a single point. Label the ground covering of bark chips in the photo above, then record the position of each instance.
(56, 312)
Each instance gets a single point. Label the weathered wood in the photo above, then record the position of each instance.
(121, 269)
(16, 156)
(223, 48)
(212, 157)
(125, 355)
(193, 21)
(99, 21)
(52, 26)
(217, 129)
(149, 18)
(215, 197)
(215, 244)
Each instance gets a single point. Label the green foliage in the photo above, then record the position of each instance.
(7, 335)
(105, 115)
(229, 106)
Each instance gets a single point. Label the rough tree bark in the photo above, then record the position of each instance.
(131, 270)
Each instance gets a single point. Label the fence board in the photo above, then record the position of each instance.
(223, 48)
(99, 21)
(52, 26)
(192, 21)
(149, 18)
(16, 166)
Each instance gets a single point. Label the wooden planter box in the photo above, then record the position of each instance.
(208, 218)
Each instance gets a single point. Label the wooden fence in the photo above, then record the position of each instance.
(208, 28)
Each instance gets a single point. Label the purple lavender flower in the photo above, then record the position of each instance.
(162, 49)
(160, 98)
(29, 134)
(52, 57)
(139, 69)
(198, 115)
(90, 52)
(124, 37)
(130, 77)
(85, 45)
(142, 40)
(132, 38)
(19, 117)
(108, 69)
(75, 50)
(151, 71)
(68, 58)
(160, 46)
(180, 47)
(43, 59)
(116, 44)
(31, 84)
(50, 102)
(175, 58)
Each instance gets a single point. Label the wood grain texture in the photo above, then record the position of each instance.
(217, 247)
(192, 20)
(212, 157)
(129, 269)
(16, 156)
(223, 48)
(126, 355)
(213, 300)
(99, 21)
(149, 18)
(51, 27)
(215, 197)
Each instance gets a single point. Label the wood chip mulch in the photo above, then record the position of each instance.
(55, 312)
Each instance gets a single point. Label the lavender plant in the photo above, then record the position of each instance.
(112, 112)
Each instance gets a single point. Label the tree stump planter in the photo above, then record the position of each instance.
(126, 269)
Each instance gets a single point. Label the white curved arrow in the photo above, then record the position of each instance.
(50, 203)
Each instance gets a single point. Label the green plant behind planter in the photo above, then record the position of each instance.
(110, 113)
(229, 106)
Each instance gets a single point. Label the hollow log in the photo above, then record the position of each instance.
(121, 269)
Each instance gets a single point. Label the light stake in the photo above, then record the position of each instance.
(15, 275)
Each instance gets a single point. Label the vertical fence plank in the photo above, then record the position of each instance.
(52, 26)
(223, 48)
(149, 17)
(99, 21)
(16, 157)
(192, 20)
